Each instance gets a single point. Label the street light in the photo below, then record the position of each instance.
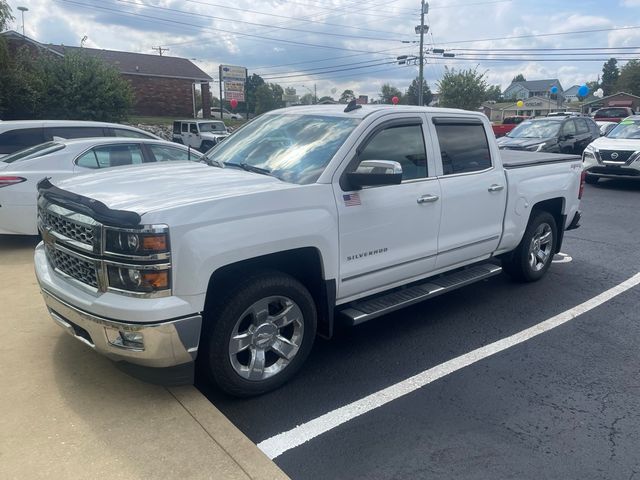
(23, 9)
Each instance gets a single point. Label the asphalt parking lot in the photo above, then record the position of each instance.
(563, 404)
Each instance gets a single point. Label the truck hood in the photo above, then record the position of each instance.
(146, 188)
(522, 142)
(214, 135)
(605, 143)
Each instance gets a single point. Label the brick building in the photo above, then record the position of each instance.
(162, 85)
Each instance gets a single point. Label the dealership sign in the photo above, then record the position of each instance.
(233, 78)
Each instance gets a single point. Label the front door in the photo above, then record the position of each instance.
(473, 192)
(388, 234)
(190, 135)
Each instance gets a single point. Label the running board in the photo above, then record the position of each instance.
(362, 310)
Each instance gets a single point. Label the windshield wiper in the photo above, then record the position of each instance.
(250, 168)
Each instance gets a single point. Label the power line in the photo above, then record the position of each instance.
(336, 70)
(540, 49)
(490, 59)
(153, 19)
(255, 24)
(311, 70)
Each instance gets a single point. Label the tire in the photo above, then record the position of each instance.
(236, 313)
(591, 179)
(523, 264)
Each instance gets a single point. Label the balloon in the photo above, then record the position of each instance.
(554, 90)
(598, 93)
(520, 103)
(583, 91)
(395, 100)
(234, 103)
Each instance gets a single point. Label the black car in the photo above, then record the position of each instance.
(552, 134)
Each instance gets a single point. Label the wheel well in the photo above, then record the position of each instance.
(304, 264)
(554, 206)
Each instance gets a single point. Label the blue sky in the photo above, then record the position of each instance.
(292, 41)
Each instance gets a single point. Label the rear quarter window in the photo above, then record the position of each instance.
(17, 139)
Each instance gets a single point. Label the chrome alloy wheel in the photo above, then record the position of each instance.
(540, 247)
(266, 338)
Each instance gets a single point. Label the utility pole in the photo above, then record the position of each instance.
(423, 6)
(160, 49)
(22, 10)
(315, 94)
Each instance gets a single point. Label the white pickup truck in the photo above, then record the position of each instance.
(303, 217)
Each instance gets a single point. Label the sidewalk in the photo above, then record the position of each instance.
(66, 412)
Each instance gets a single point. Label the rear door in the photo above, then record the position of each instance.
(473, 191)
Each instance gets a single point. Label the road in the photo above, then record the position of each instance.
(563, 404)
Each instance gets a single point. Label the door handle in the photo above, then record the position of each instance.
(496, 188)
(428, 198)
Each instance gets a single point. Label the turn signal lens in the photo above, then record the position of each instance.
(8, 181)
(156, 243)
(157, 280)
(138, 279)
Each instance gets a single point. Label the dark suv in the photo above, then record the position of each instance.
(613, 114)
(552, 134)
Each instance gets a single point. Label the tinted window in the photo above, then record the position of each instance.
(464, 148)
(123, 132)
(582, 125)
(193, 128)
(15, 140)
(73, 132)
(185, 128)
(404, 145)
(111, 156)
(569, 128)
(163, 153)
(176, 127)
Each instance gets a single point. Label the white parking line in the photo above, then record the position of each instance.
(278, 444)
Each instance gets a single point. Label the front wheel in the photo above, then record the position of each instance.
(532, 258)
(260, 334)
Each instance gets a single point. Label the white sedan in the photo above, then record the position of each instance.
(21, 171)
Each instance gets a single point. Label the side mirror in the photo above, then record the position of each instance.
(375, 172)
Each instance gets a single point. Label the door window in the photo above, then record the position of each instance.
(582, 126)
(111, 156)
(123, 132)
(193, 128)
(167, 154)
(15, 140)
(464, 147)
(569, 128)
(185, 128)
(403, 144)
(73, 132)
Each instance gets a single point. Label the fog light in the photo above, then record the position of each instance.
(123, 339)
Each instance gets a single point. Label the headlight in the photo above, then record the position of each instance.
(536, 148)
(139, 279)
(588, 156)
(152, 240)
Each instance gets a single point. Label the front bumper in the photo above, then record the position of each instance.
(614, 171)
(167, 351)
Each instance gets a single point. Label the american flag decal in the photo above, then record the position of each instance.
(351, 199)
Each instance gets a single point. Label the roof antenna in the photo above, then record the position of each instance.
(352, 106)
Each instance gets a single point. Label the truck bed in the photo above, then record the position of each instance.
(519, 159)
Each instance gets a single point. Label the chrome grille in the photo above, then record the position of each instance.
(63, 226)
(621, 156)
(82, 270)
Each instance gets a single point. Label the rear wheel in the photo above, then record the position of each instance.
(259, 334)
(591, 179)
(532, 258)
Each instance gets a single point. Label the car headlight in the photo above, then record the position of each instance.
(536, 148)
(150, 241)
(139, 279)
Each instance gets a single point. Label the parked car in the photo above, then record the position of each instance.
(303, 215)
(227, 115)
(564, 114)
(21, 171)
(617, 155)
(199, 134)
(508, 124)
(552, 134)
(606, 127)
(612, 114)
(19, 134)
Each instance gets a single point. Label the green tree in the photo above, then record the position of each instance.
(493, 93)
(21, 84)
(610, 74)
(253, 82)
(268, 97)
(347, 96)
(307, 99)
(519, 78)
(326, 98)
(412, 93)
(629, 79)
(387, 92)
(5, 15)
(462, 89)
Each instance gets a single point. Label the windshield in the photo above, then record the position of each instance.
(212, 127)
(626, 129)
(293, 148)
(537, 129)
(33, 152)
